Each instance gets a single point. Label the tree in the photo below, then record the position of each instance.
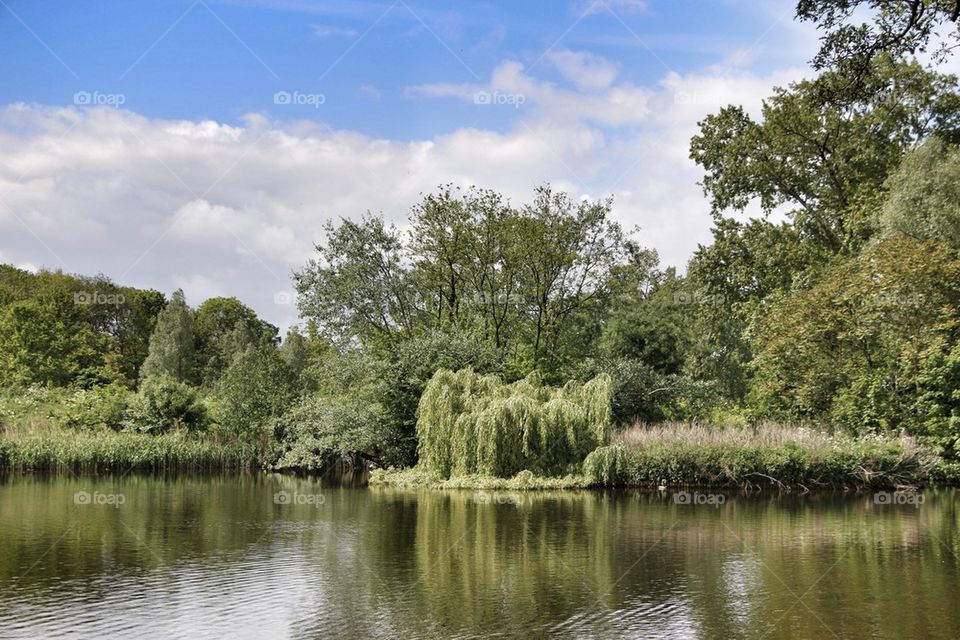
(359, 287)
(223, 328)
(172, 343)
(924, 195)
(257, 387)
(897, 28)
(823, 150)
(850, 350)
(295, 352)
(46, 341)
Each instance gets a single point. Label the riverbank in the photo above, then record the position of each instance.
(769, 456)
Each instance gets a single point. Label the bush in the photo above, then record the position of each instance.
(99, 408)
(321, 430)
(163, 404)
(641, 393)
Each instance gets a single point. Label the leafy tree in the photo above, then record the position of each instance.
(295, 352)
(47, 341)
(172, 344)
(320, 430)
(897, 28)
(924, 195)
(223, 328)
(825, 151)
(256, 388)
(359, 287)
(851, 349)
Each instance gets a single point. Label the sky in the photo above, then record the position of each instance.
(202, 144)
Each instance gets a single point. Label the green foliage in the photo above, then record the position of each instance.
(894, 27)
(172, 343)
(318, 431)
(46, 341)
(102, 407)
(257, 388)
(938, 402)
(223, 328)
(825, 148)
(532, 281)
(640, 392)
(924, 195)
(849, 350)
(163, 403)
(81, 452)
(475, 424)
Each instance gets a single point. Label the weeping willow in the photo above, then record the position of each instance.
(475, 424)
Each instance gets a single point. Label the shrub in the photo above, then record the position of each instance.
(164, 403)
(101, 407)
(320, 430)
(473, 424)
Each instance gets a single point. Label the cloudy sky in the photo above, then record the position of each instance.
(201, 144)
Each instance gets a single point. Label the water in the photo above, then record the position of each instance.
(279, 557)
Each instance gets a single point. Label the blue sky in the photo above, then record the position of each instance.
(215, 137)
(221, 60)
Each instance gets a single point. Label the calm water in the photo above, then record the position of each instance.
(276, 557)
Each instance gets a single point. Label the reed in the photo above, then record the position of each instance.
(60, 450)
(769, 455)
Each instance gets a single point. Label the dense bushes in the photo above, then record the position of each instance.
(163, 403)
(473, 424)
(319, 431)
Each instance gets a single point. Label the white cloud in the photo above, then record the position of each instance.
(222, 209)
(589, 72)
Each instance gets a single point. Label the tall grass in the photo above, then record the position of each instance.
(83, 452)
(770, 454)
(471, 424)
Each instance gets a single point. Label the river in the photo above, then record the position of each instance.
(262, 556)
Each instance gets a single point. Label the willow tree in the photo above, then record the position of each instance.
(475, 424)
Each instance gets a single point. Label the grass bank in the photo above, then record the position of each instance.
(770, 456)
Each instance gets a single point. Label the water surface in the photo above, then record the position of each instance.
(281, 557)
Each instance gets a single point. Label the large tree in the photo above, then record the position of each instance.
(824, 153)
